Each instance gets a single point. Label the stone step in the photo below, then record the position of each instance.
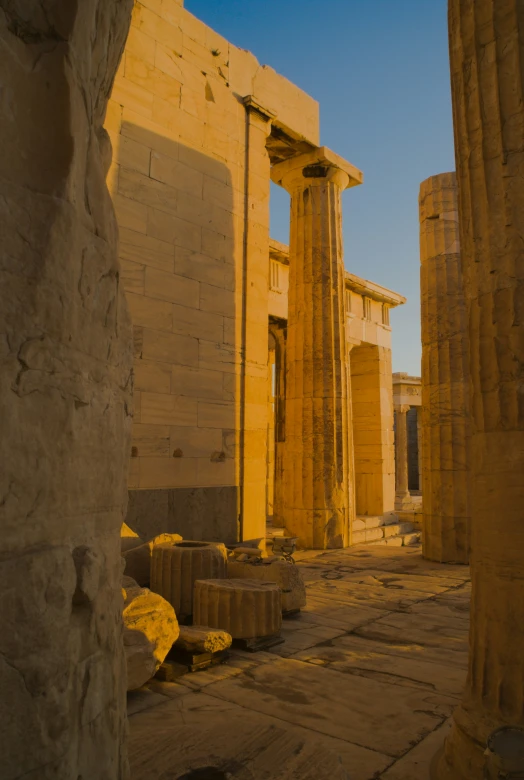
(366, 522)
(394, 540)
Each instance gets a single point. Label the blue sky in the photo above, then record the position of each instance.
(379, 69)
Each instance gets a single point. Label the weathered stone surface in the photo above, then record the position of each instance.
(151, 629)
(176, 567)
(244, 608)
(318, 500)
(65, 381)
(202, 639)
(138, 559)
(286, 575)
(445, 372)
(486, 45)
(129, 582)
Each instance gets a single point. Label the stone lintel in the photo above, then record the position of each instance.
(252, 104)
(320, 157)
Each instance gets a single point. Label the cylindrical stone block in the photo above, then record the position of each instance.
(445, 413)
(246, 609)
(176, 567)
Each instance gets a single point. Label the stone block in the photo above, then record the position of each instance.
(152, 377)
(150, 630)
(161, 409)
(202, 639)
(167, 472)
(286, 575)
(245, 608)
(146, 251)
(176, 567)
(138, 558)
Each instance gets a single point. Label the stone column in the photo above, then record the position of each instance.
(254, 303)
(419, 438)
(316, 470)
(65, 396)
(445, 530)
(352, 497)
(486, 45)
(401, 456)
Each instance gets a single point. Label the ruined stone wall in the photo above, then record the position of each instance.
(191, 185)
(65, 386)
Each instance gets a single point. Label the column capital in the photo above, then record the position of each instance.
(402, 408)
(314, 168)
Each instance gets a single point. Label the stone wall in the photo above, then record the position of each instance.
(65, 386)
(191, 186)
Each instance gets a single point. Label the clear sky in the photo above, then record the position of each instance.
(379, 69)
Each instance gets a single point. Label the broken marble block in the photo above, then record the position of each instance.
(245, 608)
(138, 559)
(150, 630)
(176, 567)
(286, 575)
(202, 639)
(128, 538)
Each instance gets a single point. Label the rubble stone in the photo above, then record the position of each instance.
(138, 559)
(202, 639)
(151, 629)
(244, 608)
(176, 567)
(286, 575)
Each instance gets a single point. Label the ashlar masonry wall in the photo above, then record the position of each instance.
(190, 181)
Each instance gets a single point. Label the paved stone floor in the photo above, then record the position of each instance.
(362, 688)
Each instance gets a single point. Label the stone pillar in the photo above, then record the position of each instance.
(316, 470)
(486, 45)
(65, 396)
(445, 530)
(352, 497)
(403, 497)
(254, 302)
(419, 448)
(372, 409)
(279, 331)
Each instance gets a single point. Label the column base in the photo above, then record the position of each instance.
(462, 756)
(403, 501)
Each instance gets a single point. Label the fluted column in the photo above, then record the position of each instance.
(316, 468)
(402, 495)
(445, 529)
(486, 51)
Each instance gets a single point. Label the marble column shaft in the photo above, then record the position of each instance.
(487, 65)
(316, 492)
(445, 413)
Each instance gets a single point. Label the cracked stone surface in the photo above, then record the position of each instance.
(369, 674)
(65, 395)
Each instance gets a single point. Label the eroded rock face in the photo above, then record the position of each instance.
(138, 558)
(65, 385)
(151, 628)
